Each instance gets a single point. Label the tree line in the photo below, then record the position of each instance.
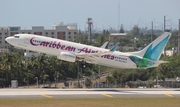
(47, 69)
(171, 69)
(15, 66)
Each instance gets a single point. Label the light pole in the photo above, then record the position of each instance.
(84, 81)
(157, 82)
(25, 62)
(37, 81)
(57, 81)
(99, 77)
(43, 78)
(78, 74)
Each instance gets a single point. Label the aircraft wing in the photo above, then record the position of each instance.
(91, 56)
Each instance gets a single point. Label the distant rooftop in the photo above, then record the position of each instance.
(118, 34)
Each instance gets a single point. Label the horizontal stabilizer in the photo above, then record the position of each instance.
(156, 63)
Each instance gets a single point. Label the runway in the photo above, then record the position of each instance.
(89, 93)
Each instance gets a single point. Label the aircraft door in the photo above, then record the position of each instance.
(26, 40)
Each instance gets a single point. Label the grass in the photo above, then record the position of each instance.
(91, 102)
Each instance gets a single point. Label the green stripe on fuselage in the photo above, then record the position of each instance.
(141, 62)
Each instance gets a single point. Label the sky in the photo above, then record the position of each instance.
(105, 14)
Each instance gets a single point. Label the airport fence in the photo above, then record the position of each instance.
(139, 84)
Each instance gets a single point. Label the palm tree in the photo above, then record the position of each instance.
(18, 69)
(6, 65)
(42, 67)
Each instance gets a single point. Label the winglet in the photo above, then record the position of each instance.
(104, 45)
(114, 47)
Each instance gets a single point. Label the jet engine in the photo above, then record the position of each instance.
(66, 56)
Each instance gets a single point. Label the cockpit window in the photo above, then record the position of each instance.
(16, 36)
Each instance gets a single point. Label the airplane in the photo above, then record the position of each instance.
(72, 52)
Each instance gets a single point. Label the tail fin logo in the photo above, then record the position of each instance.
(154, 53)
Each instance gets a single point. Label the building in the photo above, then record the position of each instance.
(169, 52)
(114, 36)
(3, 35)
(59, 31)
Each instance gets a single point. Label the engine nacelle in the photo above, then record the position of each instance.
(66, 56)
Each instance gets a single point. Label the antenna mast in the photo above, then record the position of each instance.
(118, 15)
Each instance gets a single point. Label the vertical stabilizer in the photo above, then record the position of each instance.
(154, 50)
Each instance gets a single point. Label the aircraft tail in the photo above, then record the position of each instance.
(154, 50)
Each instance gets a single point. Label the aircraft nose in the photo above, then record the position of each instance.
(8, 39)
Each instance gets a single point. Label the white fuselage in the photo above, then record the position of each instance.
(54, 46)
